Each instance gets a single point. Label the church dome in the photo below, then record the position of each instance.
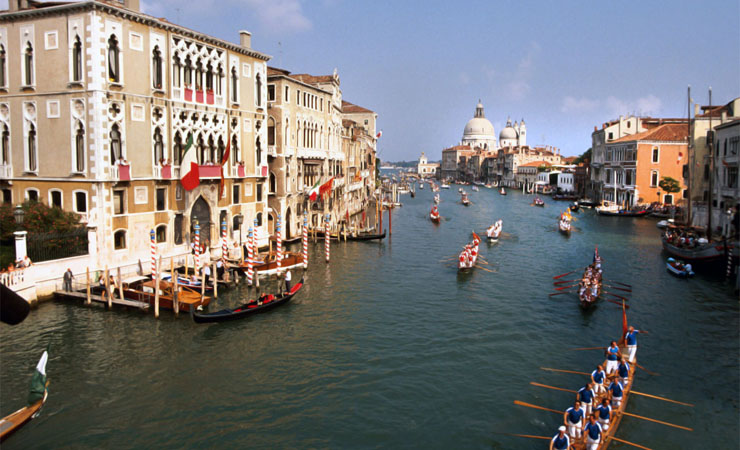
(508, 132)
(479, 126)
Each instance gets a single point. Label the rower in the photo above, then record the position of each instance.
(604, 413)
(593, 434)
(624, 371)
(612, 359)
(631, 338)
(574, 419)
(616, 391)
(598, 378)
(586, 396)
(560, 441)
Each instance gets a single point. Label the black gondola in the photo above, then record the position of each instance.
(249, 308)
(574, 207)
(366, 236)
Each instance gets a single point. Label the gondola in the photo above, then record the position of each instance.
(538, 202)
(465, 201)
(366, 236)
(502, 191)
(434, 214)
(249, 308)
(564, 226)
(679, 268)
(574, 206)
(12, 422)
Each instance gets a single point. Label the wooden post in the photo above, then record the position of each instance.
(120, 283)
(107, 288)
(381, 218)
(390, 222)
(88, 285)
(186, 265)
(202, 285)
(215, 281)
(175, 288)
(156, 289)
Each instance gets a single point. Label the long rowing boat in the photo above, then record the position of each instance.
(469, 255)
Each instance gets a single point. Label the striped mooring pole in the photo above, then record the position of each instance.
(279, 245)
(250, 270)
(327, 237)
(197, 246)
(255, 250)
(153, 245)
(305, 241)
(729, 260)
(224, 245)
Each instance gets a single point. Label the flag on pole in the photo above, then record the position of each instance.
(380, 133)
(314, 192)
(224, 160)
(326, 187)
(189, 175)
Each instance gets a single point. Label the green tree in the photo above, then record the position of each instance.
(586, 156)
(670, 185)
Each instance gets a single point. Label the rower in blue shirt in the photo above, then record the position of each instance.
(612, 358)
(574, 419)
(604, 414)
(598, 377)
(630, 337)
(586, 396)
(560, 441)
(593, 434)
(616, 390)
(624, 371)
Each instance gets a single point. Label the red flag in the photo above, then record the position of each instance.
(224, 160)
(326, 187)
(624, 320)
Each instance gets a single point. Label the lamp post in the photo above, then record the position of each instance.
(19, 214)
(20, 236)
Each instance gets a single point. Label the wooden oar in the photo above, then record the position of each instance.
(623, 284)
(529, 405)
(564, 282)
(565, 287)
(524, 435)
(616, 287)
(565, 371)
(661, 398)
(657, 421)
(552, 387)
(649, 372)
(616, 303)
(487, 270)
(615, 295)
(558, 293)
(628, 443)
(562, 275)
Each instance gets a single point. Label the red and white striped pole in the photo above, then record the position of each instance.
(197, 246)
(224, 245)
(327, 237)
(305, 242)
(279, 246)
(250, 270)
(255, 250)
(154, 254)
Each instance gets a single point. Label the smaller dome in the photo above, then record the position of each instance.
(508, 133)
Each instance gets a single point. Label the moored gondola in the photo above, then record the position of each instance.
(264, 303)
(366, 236)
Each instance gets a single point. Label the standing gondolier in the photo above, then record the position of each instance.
(68, 277)
(287, 280)
(574, 419)
(560, 441)
(630, 338)
(593, 434)
(612, 358)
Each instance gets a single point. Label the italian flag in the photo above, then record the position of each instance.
(314, 192)
(189, 175)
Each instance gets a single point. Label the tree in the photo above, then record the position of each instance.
(586, 156)
(670, 185)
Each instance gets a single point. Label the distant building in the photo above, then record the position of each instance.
(527, 172)
(726, 191)
(426, 169)
(566, 182)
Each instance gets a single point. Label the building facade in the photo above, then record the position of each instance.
(725, 186)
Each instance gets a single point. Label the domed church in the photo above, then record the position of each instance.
(479, 132)
(513, 135)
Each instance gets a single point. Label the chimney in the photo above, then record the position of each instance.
(17, 5)
(724, 117)
(133, 5)
(245, 38)
(696, 109)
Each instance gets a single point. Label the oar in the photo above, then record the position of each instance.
(487, 270)
(617, 287)
(562, 275)
(628, 443)
(649, 372)
(529, 405)
(552, 387)
(661, 398)
(565, 371)
(616, 303)
(589, 348)
(615, 295)
(564, 282)
(657, 421)
(623, 284)
(523, 435)
(558, 293)
(565, 287)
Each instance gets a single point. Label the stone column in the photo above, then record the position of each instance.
(20, 244)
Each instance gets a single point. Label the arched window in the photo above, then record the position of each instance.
(188, 72)
(115, 144)
(201, 151)
(114, 72)
(209, 77)
(80, 147)
(2, 66)
(259, 90)
(258, 148)
(270, 131)
(119, 239)
(219, 79)
(161, 234)
(198, 76)
(177, 149)
(286, 135)
(157, 67)
(235, 150)
(32, 148)
(176, 70)
(28, 64)
(77, 60)
(211, 150)
(259, 219)
(234, 86)
(273, 183)
(5, 145)
(158, 146)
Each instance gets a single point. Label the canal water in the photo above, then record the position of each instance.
(388, 347)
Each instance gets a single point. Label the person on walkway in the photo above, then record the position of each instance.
(206, 274)
(604, 414)
(631, 339)
(574, 419)
(288, 277)
(586, 396)
(68, 277)
(560, 441)
(598, 378)
(593, 434)
(612, 358)
(624, 371)
(616, 390)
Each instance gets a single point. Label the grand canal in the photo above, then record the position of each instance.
(388, 347)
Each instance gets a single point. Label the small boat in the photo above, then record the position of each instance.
(703, 251)
(413, 193)
(663, 223)
(475, 189)
(460, 190)
(266, 264)
(464, 199)
(366, 236)
(494, 231)
(469, 255)
(436, 198)
(434, 214)
(264, 303)
(13, 422)
(679, 268)
(564, 225)
(193, 284)
(585, 203)
(538, 202)
(612, 209)
(502, 191)
(564, 197)
(574, 206)
(445, 186)
(142, 289)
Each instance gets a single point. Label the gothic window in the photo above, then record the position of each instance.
(28, 64)
(209, 78)
(259, 90)
(32, 148)
(176, 71)
(221, 150)
(161, 234)
(80, 147)
(114, 68)
(2, 66)
(235, 151)
(177, 149)
(258, 148)
(219, 79)
(211, 150)
(259, 218)
(270, 131)
(273, 183)
(198, 76)
(234, 86)
(201, 151)
(158, 146)
(188, 73)
(157, 67)
(119, 240)
(77, 60)
(5, 145)
(115, 144)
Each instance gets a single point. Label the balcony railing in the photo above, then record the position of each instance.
(163, 172)
(6, 171)
(120, 172)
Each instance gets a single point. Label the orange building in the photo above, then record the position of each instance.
(635, 164)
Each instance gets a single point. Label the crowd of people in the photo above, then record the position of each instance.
(684, 238)
(588, 287)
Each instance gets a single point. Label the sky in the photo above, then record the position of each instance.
(564, 66)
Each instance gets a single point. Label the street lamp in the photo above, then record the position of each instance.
(18, 213)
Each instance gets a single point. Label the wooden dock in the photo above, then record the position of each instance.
(101, 299)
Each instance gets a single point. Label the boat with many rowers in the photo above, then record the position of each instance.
(494, 231)
(469, 255)
(434, 214)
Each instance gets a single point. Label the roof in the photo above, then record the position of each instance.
(351, 108)
(667, 132)
(315, 79)
(570, 158)
(277, 71)
(535, 164)
(728, 124)
(458, 147)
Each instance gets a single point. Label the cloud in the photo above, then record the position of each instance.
(519, 85)
(578, 105)
(518, 89)
(643, 106)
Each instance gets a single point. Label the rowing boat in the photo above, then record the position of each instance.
(494, 231)
(265, 303)
(12, 422)
(679, 268)
(469, 255)
(434, 214)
